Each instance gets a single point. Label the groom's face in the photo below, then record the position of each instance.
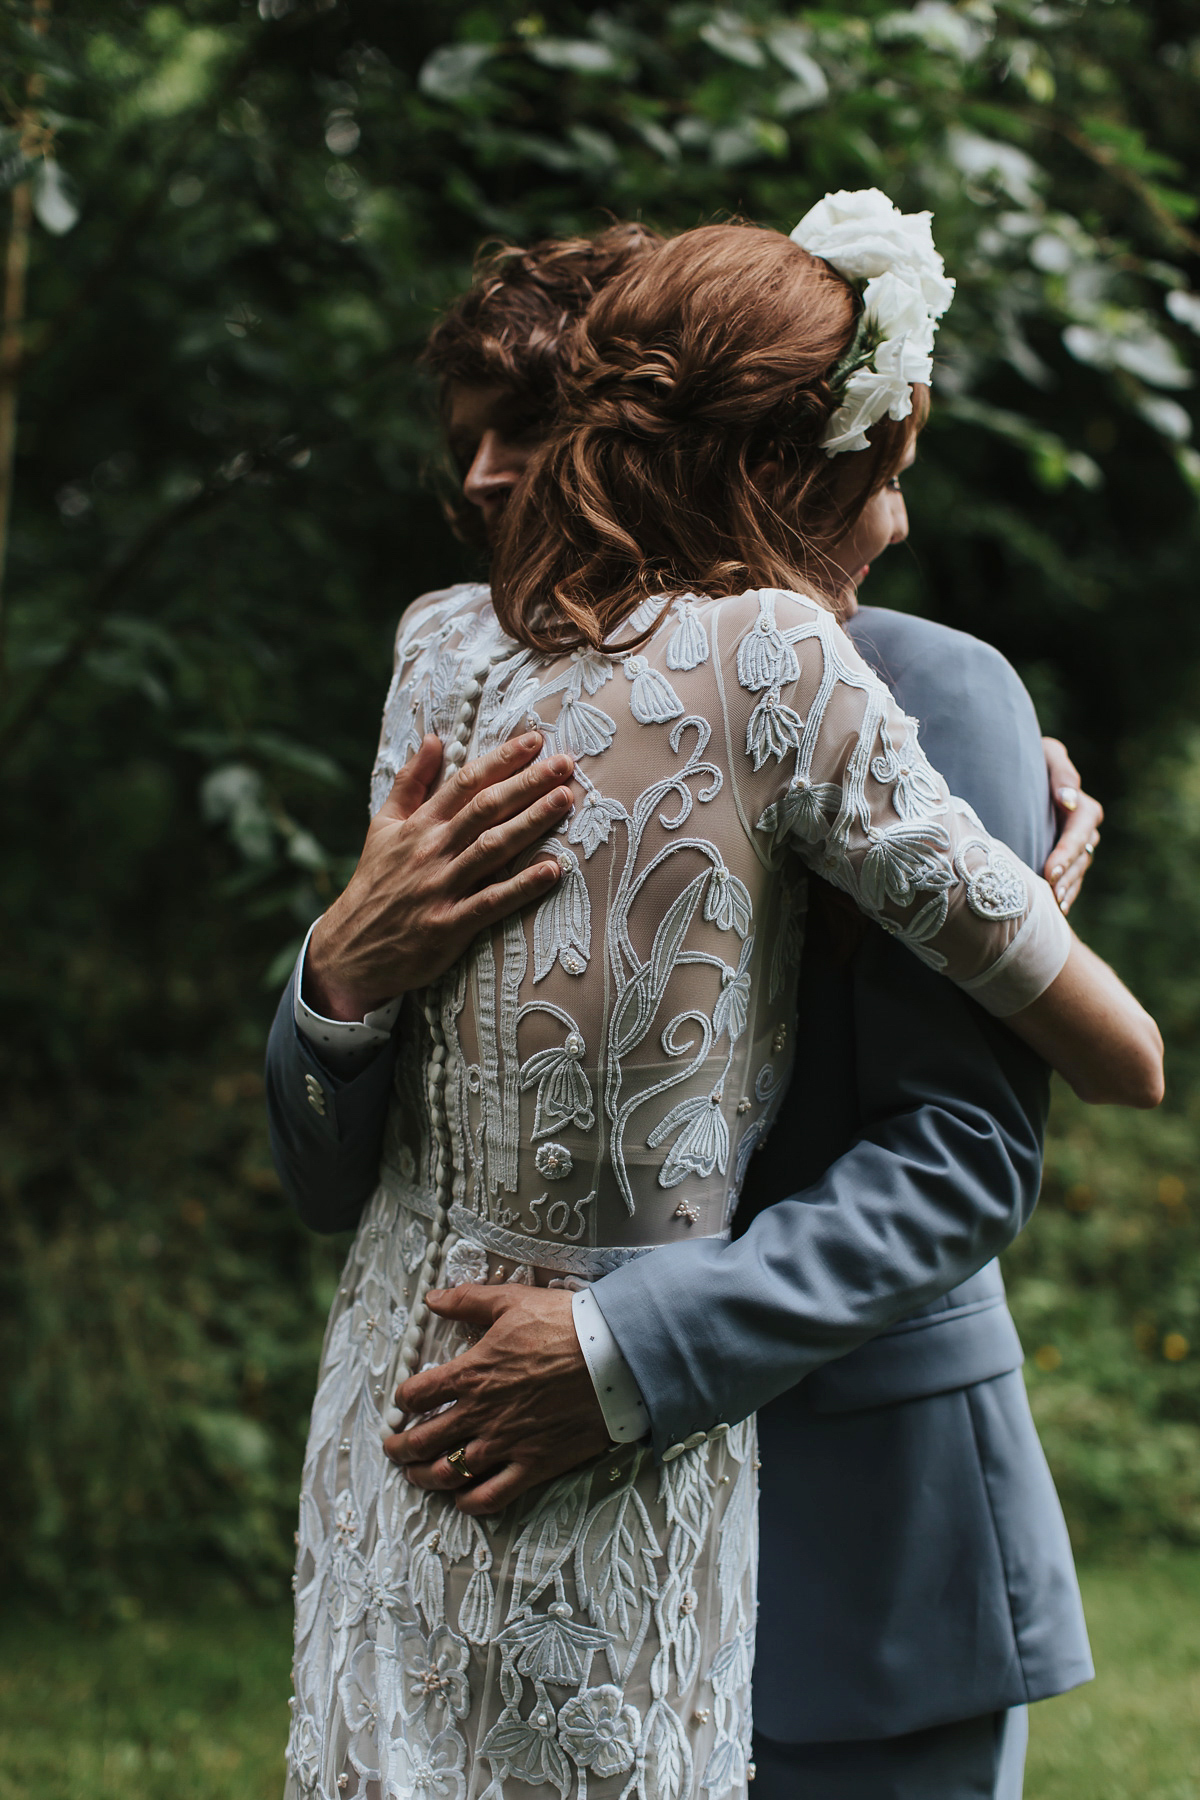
(492, 432)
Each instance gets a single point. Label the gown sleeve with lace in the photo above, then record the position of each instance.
(589, 1082)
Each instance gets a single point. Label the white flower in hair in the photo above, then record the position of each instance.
(904, 290)
(863, 234)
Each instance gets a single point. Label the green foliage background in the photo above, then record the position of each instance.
(247, 220)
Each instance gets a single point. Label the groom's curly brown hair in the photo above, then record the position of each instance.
(507, 330)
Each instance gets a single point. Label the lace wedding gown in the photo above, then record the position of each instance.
(589, 1081)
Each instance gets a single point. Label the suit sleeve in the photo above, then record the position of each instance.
(945, 1170)
(326, 1133)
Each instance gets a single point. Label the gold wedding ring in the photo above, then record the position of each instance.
(458, 1462)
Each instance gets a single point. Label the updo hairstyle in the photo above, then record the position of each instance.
(685, 455)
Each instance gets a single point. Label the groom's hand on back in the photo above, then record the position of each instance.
(434, 872)
(520, 1402)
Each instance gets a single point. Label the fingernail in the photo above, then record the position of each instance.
(1068, 797)
(531, 740)
(1056, 871)
(1060, 893)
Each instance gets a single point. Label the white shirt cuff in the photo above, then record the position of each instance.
(620, 1398)
(345, 1046)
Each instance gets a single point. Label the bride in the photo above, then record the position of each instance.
(591, 1079)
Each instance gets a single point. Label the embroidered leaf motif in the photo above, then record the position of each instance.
(478, 1610)
(687, 646)
(668, 939)
(562, 929)
(765, 659)
(652, 699)
(429, 1580)
(727, 903)
(590, 670)
(703, 1142)
(564, 1095)
(665, 1759)
(582, 729)
(903, 861)
(553, 1647)
(735, 1541)
(528, 1748)
(773, 729)
(548, 1539)
(592, 821)
(733, 1002)
(615, 1574)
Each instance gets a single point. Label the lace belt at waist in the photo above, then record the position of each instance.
(587, 1261)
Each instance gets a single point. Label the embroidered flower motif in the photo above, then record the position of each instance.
(733, 1001)
(562, 928)
(997, 890)
(589, 671)
(554, 1161)
(432, 1673)
(345, 1520)
(592, 821)
(687, 646)
(727, 902)
(703, 1141)
(384, 1585)
(433, 1774)
(347, 1589)
(528, 1748)
(764, 659)
(359, 1692)
(370, 1323)
(914, 787)
(806, 811)
(304, 1748)
(903, 861)
(552, 1646)
(582, 729)
(652, 699)
(412, 1250)
(564, 1092)
(773, 729)
(464, 1262)
(599, 1731)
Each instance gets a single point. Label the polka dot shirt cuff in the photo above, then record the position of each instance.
(343, 1046)
(620, 1398)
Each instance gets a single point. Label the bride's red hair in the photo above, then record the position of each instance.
(687, 454)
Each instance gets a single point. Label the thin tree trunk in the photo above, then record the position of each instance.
(16, 269)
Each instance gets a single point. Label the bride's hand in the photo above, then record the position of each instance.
(520, 1402)
(434, 873)
(1080, 818)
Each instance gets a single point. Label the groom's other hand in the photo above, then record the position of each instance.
(520, 1402)
(1079, 817)
(434, 872)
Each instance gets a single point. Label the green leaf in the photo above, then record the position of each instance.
(453, 71)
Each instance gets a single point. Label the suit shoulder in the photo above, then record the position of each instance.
(897, 644)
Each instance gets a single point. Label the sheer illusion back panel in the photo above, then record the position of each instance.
(589, 1081)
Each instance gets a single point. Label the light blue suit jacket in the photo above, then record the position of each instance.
(916, 1564)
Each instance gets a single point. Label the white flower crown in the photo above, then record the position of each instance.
(891, 257)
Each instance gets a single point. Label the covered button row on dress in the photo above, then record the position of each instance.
(418, 1318)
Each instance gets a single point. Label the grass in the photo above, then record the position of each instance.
(193, 1706)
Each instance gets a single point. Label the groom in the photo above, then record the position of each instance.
(917, 1584)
